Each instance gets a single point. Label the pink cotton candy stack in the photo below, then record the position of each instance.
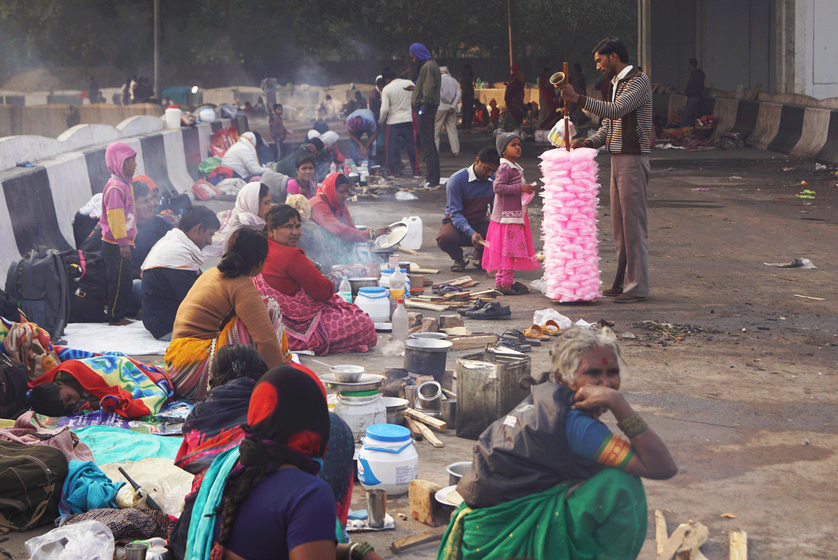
(569, 226)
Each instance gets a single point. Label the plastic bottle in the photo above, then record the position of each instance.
(397, 285)
(345, 290)
(400, 321)
(332, 167)
(479, 83)
(353, 168)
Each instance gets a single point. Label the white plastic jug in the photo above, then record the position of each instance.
(388, 459)
(413, 239)
(173, 114)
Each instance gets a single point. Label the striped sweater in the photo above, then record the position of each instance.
(627, 122)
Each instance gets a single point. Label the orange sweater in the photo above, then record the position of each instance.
(211, 299)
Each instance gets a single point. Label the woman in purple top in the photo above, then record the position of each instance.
(303, 183)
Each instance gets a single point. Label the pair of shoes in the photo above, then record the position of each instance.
(512, 345)
(612, 292)
(519, 337)
(535, 332)
(459, 266)
(492, 310)
(626, 298)
(477, 305)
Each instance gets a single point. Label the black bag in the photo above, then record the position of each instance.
(31, 477)
(175, 202)
(39, 285)
(12, 390)
(88, 286)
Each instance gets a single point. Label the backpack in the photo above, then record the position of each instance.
(88, 286)
(39, 284)
(31, 478)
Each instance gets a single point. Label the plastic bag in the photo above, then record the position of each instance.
(91, 540)
(543, 315)
(556, 135)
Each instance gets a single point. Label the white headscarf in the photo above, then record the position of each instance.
(175, 250)
(247, 205)
(312, 134)
(329, 137)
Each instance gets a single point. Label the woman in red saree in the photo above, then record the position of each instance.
(315, 318)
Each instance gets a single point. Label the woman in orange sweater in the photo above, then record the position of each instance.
(222, 308)
(315, 318)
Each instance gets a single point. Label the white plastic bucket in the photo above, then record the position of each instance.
(359, 413)
(388, 459)
(173, 114)
(375, 303)
(413, 239)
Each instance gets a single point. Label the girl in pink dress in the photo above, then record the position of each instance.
(509, 241)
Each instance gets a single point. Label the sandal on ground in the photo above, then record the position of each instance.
(513, 290)
(479, 304)
(459, 267)
(477, 264)
(505, 342)
(535, 333)
(493, 310)
(520, 288)
(551, 328)
(517, 336)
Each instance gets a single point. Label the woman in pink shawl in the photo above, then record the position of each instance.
(514, 96)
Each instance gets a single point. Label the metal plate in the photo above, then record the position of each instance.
(442, 496)
(397, 233)
(368, 382)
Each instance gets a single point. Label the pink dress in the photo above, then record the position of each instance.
(509, 240)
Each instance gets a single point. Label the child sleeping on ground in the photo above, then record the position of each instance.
(110, 383)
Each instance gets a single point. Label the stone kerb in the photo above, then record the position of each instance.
(84, 135)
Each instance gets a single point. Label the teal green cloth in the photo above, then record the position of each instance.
(202, 523)
(605, 518)
(87, 487)
(116, 445)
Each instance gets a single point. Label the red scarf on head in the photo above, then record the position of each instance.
(329, 190)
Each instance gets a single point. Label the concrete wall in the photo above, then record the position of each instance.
(53, 120)
(38, 204)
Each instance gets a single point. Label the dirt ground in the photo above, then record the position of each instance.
(737, 371)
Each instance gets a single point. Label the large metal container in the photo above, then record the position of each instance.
(488, 387)
(425, 356)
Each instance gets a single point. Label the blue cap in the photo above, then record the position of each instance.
(372, 291)
(388, 432)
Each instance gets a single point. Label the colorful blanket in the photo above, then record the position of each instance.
(122, 385)
(28, 344)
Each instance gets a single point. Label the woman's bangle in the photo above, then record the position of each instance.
(349, 550)
(632, 425)
(358, 550)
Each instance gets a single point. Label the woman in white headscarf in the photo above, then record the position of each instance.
(252, 203)
(242, 157)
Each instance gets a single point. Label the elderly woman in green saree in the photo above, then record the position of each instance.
(549, 480)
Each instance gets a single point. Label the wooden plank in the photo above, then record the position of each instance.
(423, 270)
(466, 342)
(696, 536)
(661, 534)
(408, 251)
(425, 537)
(738, 544)
(673, 543)
(410, 302)
(429, 435)
(413, 426)
(425, 419)
(449, 394)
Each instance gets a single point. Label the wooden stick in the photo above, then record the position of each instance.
(425, 419)
(408, 251)
(738, 545)
(404, 543)
(411, 302)
(413, 426)
(566, 109)
(660, 531)
(429, 435)
(673, 543)
(696, 536)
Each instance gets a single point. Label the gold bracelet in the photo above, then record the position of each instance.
(632, 425)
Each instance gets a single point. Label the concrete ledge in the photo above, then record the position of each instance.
(83, 135)
(70, 186)
(767, 125)
(140, 124)
(814, 132)
(789, 129)
(15, 149)
(725, 111)
(829, 152)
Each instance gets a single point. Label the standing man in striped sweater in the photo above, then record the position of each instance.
(625, 133)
